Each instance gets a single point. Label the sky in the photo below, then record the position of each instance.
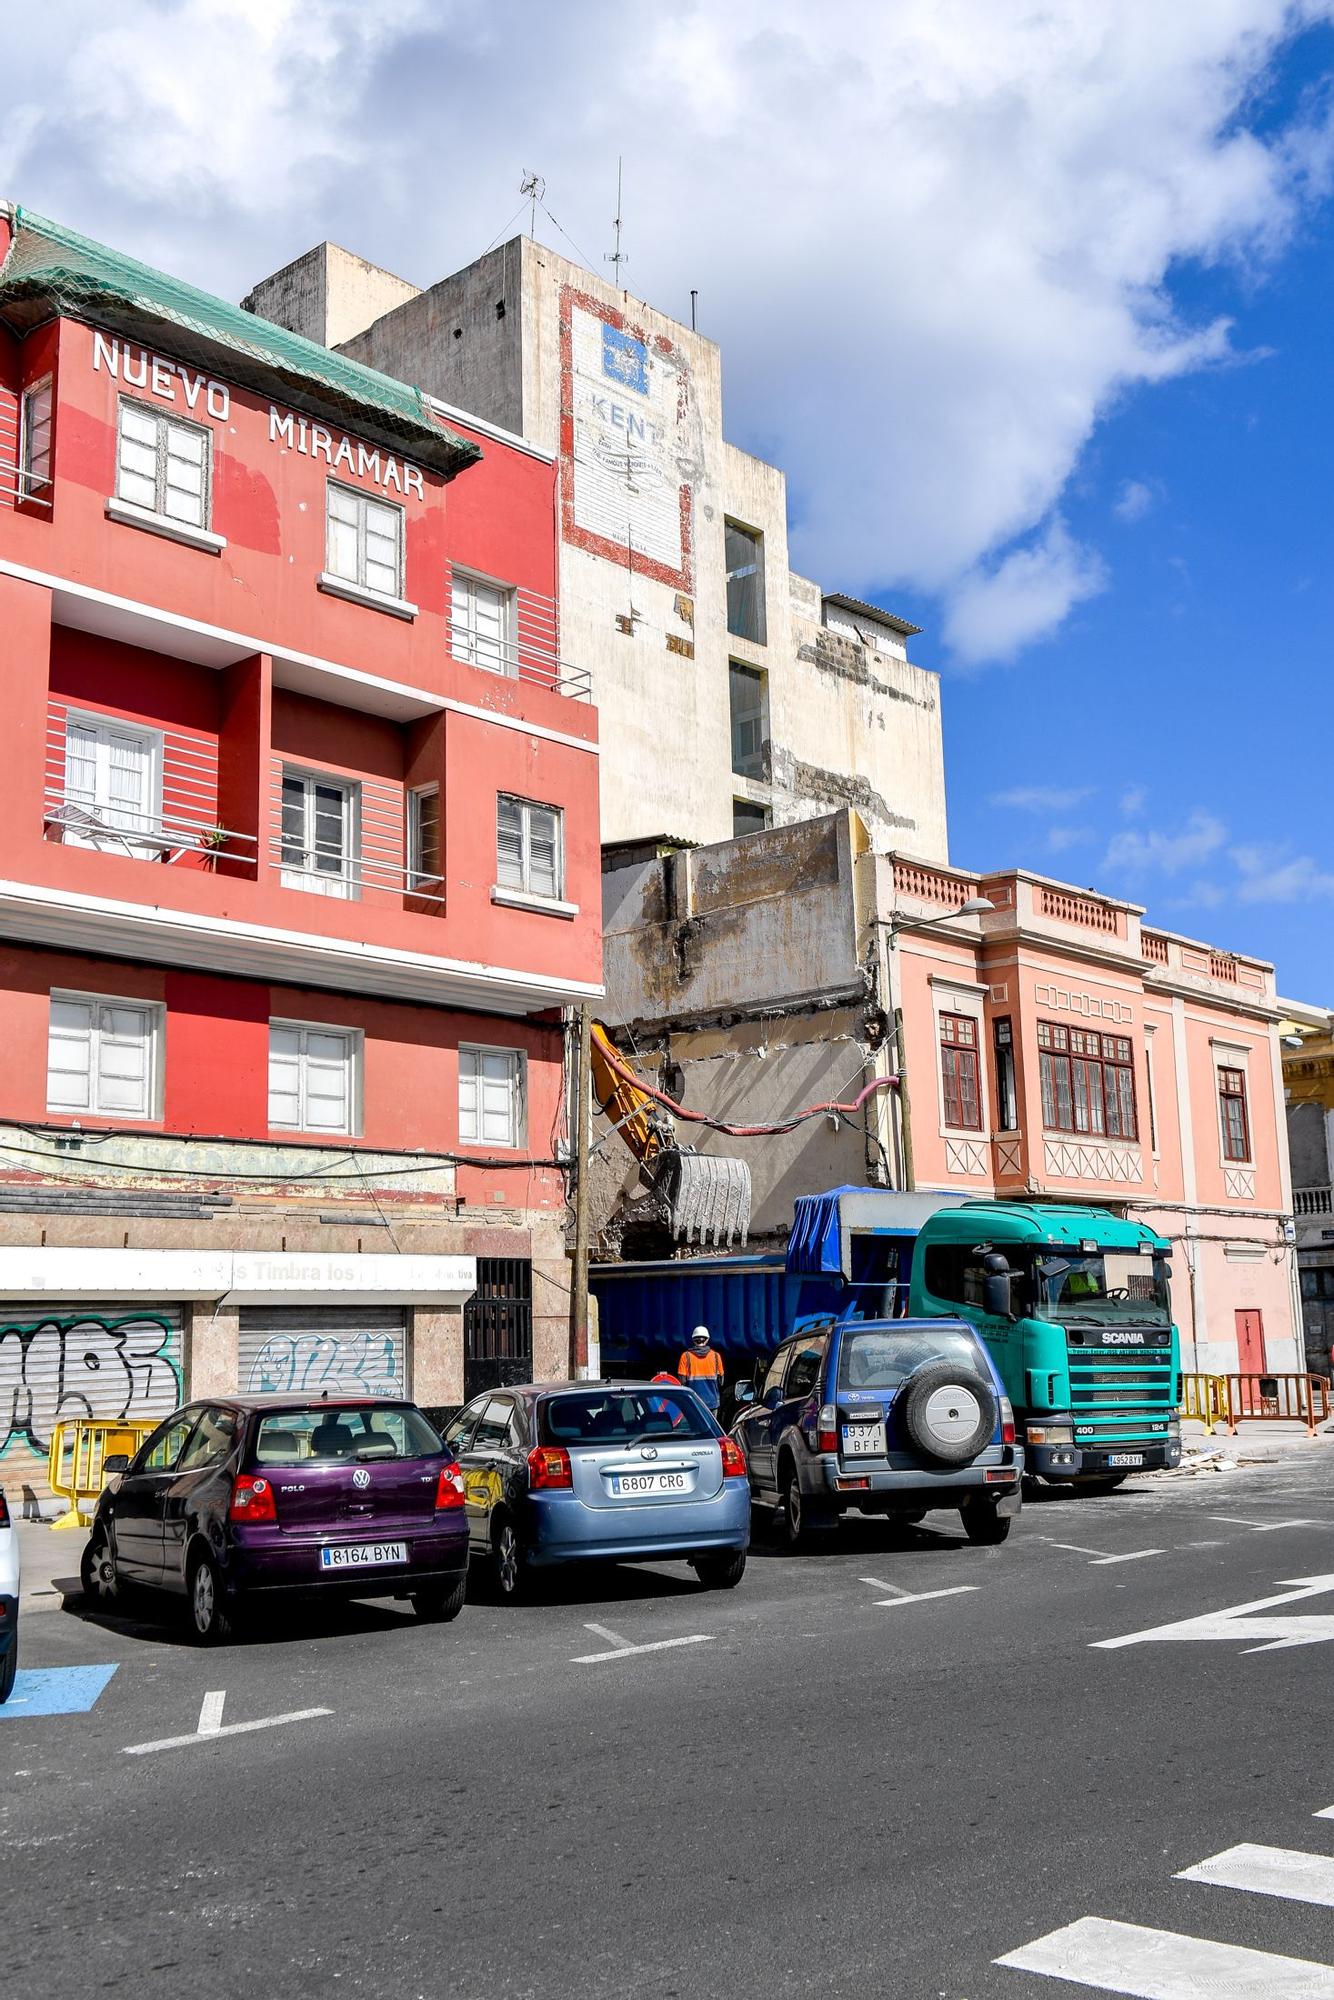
(1030, 301)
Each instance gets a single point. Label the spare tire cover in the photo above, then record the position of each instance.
(949, 1413)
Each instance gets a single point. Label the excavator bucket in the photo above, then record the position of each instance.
(707, 1196)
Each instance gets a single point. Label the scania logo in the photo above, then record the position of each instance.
(1123, 1339)
(648, 1451)
(361, 1477)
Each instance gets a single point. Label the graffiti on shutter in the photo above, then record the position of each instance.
(302, 1351)
(63, 1362)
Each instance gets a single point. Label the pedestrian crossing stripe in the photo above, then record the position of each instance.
(1268, 1871)
(1166, 1965)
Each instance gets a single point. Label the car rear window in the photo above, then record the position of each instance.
(624, 1416)
(882, 1357)
(321, 1435)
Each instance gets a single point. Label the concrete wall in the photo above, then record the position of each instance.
(328, 295)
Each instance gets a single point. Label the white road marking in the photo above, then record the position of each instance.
(654, 1646)
(1164, 1965)
(1136, 1555)
(1325, 1812)
(1073, 1547)
(210, 1715)
(605, 1632)
(926, 1596)
(1268, 1871)
(229, 1729)
(1262, 1527)
(878, 1584)
(1238, 1625)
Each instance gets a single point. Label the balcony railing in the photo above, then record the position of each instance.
(1313, 1201)
(16, 486)
(334, 873)
(142, 836)
(526, 647)
(1085, 912)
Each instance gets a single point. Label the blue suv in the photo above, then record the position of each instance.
(892, 1416)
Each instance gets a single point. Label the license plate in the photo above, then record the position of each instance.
(623, 1483)
(363, 1555)
(1125, 1458)
(864, 1440)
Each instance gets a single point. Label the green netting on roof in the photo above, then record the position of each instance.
(51, 270)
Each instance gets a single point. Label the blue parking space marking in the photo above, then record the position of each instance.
(54, 1691)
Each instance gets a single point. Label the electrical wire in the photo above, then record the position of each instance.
(627, 1075)
(586, 261)
(316, 1175)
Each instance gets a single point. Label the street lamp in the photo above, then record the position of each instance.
(976, 906)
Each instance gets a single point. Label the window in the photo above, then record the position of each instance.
(750, 735)
(35, 447)
(480, 618)
(312, 1078)
(1232, 1110)
(747, 817)
(102, 1057)
(163, 466)
(1149, 1091)
(744, 554)
(364, 544)
(423, 835)
(1007, 1097)
(494, 1427)
(162, 1450)
(528, 847)
(1088, 1082)
(804, 1372)
(491, 1097)
(214, 1437)
(777, 1370)
(954, 1271)
(113, 787)
(319, 834)
(958, 1072)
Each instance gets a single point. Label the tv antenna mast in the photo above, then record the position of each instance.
(617, 257)
(534, 187)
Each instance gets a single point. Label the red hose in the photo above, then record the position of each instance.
(744, 1131)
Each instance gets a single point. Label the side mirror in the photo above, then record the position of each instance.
(996, 1277)
(743, 1394)
(119, 1461)
(773, 1397)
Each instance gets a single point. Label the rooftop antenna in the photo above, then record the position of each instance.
(534, 187)
(617, 257)
(694, 301)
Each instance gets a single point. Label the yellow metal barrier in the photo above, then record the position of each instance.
(1204, 1397)
(78, 1452)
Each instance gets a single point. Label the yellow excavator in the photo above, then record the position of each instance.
(701, 1197)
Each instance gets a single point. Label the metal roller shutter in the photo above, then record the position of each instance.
(350, 1351)
(62, 1361)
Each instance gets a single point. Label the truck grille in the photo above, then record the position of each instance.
(1121, 1394)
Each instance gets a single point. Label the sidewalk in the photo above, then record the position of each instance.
(1256, 1443)
(50, 1560)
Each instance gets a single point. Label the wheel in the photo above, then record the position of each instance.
(509, 1564)
(949, 1413)
(9, 1667)
(210, 1608)
(798, 1522)
(721, 1572)
(983, 1525)
(441, 1603)
(97, 1570)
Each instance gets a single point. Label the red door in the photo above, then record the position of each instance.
(1250, 1356)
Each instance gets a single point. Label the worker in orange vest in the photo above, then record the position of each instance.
(701, 1368)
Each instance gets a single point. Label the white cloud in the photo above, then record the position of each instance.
(1134, 852)
(996, 610)
(1042, 798)
(1132, 801)
(1061, 838)
(1133, 502)
(935, 239)
(1269, 875)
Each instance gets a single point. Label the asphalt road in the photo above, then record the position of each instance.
(824, 1793)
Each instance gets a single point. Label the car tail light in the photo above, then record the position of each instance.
(548, 1466)
(448, 1488)
(1007, 1420)
(734, 1459)
(252, 1500)
(826, 1429)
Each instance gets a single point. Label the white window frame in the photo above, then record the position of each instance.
(133, 513)
(353, 1040)
(152, 1014)
(33, 483)
(465, 642)
(93, 825)
(357, 588)
(517, 1061)
(420, 876)
(522, 892)
(314, 881)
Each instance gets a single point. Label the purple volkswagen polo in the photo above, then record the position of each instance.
(235, 1500)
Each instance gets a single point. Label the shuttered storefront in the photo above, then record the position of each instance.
(59, 1362)
(304, 1350)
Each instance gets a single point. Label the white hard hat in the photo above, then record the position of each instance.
(700, 1333)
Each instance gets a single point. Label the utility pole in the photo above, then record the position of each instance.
(579, 1273)
(905, 1104)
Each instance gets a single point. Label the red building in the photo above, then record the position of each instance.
(299, 825)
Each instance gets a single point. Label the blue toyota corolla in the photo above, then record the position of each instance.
(566, 1472)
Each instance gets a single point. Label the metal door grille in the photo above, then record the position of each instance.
(498, 1326)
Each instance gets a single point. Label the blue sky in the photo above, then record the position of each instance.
(1030, 303)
